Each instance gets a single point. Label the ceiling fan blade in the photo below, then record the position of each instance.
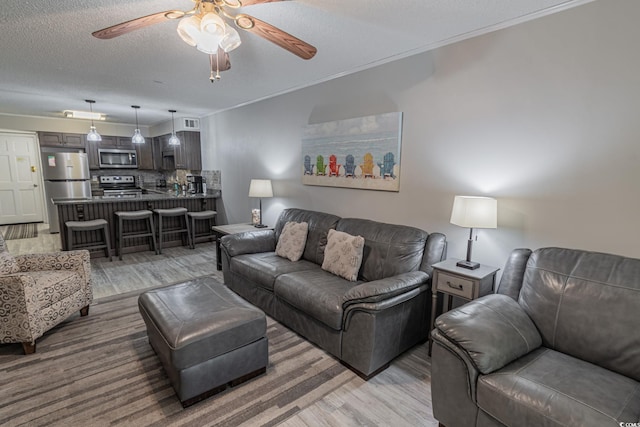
(275, 35)
(136, 24)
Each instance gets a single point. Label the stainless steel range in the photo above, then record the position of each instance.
(119, 186)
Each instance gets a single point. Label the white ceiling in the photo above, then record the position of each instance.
(49, 61)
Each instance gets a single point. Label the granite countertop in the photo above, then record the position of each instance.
(150, 195)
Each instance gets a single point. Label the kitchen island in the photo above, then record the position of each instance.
(100, 207)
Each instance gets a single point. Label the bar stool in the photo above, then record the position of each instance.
(168, 213)
(121, 234)
(197, 216)
(95, 224)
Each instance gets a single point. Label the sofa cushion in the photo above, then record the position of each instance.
(317, 293)
(549, 388)
(389, 249)
(263, 268)
(319, 225)
(292, 240)
(343, 254)
(567, 292)
(8, 264)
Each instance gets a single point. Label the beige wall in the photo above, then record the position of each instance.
(35, 124)
(543, 116)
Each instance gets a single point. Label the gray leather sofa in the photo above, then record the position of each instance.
(366, 323)
(558, 345)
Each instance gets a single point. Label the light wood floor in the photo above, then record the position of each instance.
(399, 396)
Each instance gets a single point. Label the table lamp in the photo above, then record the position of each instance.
(473, 212)
(260, 188)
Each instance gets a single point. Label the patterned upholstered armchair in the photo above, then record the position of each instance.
(38, 291)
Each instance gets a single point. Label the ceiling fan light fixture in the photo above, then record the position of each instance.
(208, 43)
(189, 30)
(93, 135)
(137, 137)
(212, 23)
(231, 40)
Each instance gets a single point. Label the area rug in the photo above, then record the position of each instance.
(21, 231)
(100, 370)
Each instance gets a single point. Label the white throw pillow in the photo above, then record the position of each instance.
(292, 240)
(343, 254)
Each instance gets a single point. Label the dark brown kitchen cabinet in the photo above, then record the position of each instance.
(145, 155)
(187, 155)
(92, 155)
(62, 140)
(190, 151)
(125, 143)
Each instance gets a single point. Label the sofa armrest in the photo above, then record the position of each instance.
(64, 260)
(251, 242)
(19, 298)
(491, 331)
(383, 289)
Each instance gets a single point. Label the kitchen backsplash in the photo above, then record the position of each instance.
(213, 179)
(148, 178)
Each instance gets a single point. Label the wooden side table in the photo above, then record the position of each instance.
(454, 281)
(223, 230)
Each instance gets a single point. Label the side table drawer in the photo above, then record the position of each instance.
(455, 285)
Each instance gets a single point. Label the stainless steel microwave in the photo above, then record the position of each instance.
(117, 158)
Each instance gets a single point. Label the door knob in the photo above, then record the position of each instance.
(35, 185)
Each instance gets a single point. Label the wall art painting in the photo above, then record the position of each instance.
(359, 153)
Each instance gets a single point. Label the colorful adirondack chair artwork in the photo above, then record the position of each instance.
(321, 168)
(334, 167)
(308, 167)
(367, 166)
(350, 166)
(386, 167)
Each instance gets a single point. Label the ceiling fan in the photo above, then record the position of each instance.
(206, 28)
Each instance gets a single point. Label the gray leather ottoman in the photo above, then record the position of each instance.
(206, 337)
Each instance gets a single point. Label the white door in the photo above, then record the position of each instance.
(20, 189)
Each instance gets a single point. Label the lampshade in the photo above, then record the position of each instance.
(474, 212)
(137, 137)
(212, 23)
(173, 140)
(260, 188)
(189, 30)
(209, 43)
(93, 135)
(231, 40)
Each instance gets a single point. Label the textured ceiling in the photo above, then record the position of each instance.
(50, 62)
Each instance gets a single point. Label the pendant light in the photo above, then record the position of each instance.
(174, 140)
(93, 135)
(137, 137)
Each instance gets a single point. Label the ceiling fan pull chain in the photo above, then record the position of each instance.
(218, 65)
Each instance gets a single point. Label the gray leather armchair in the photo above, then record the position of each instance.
(557, 346)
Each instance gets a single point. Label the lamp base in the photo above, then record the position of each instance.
(468, 264)
(260, 226)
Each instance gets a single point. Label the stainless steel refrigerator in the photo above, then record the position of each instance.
(66, 176)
